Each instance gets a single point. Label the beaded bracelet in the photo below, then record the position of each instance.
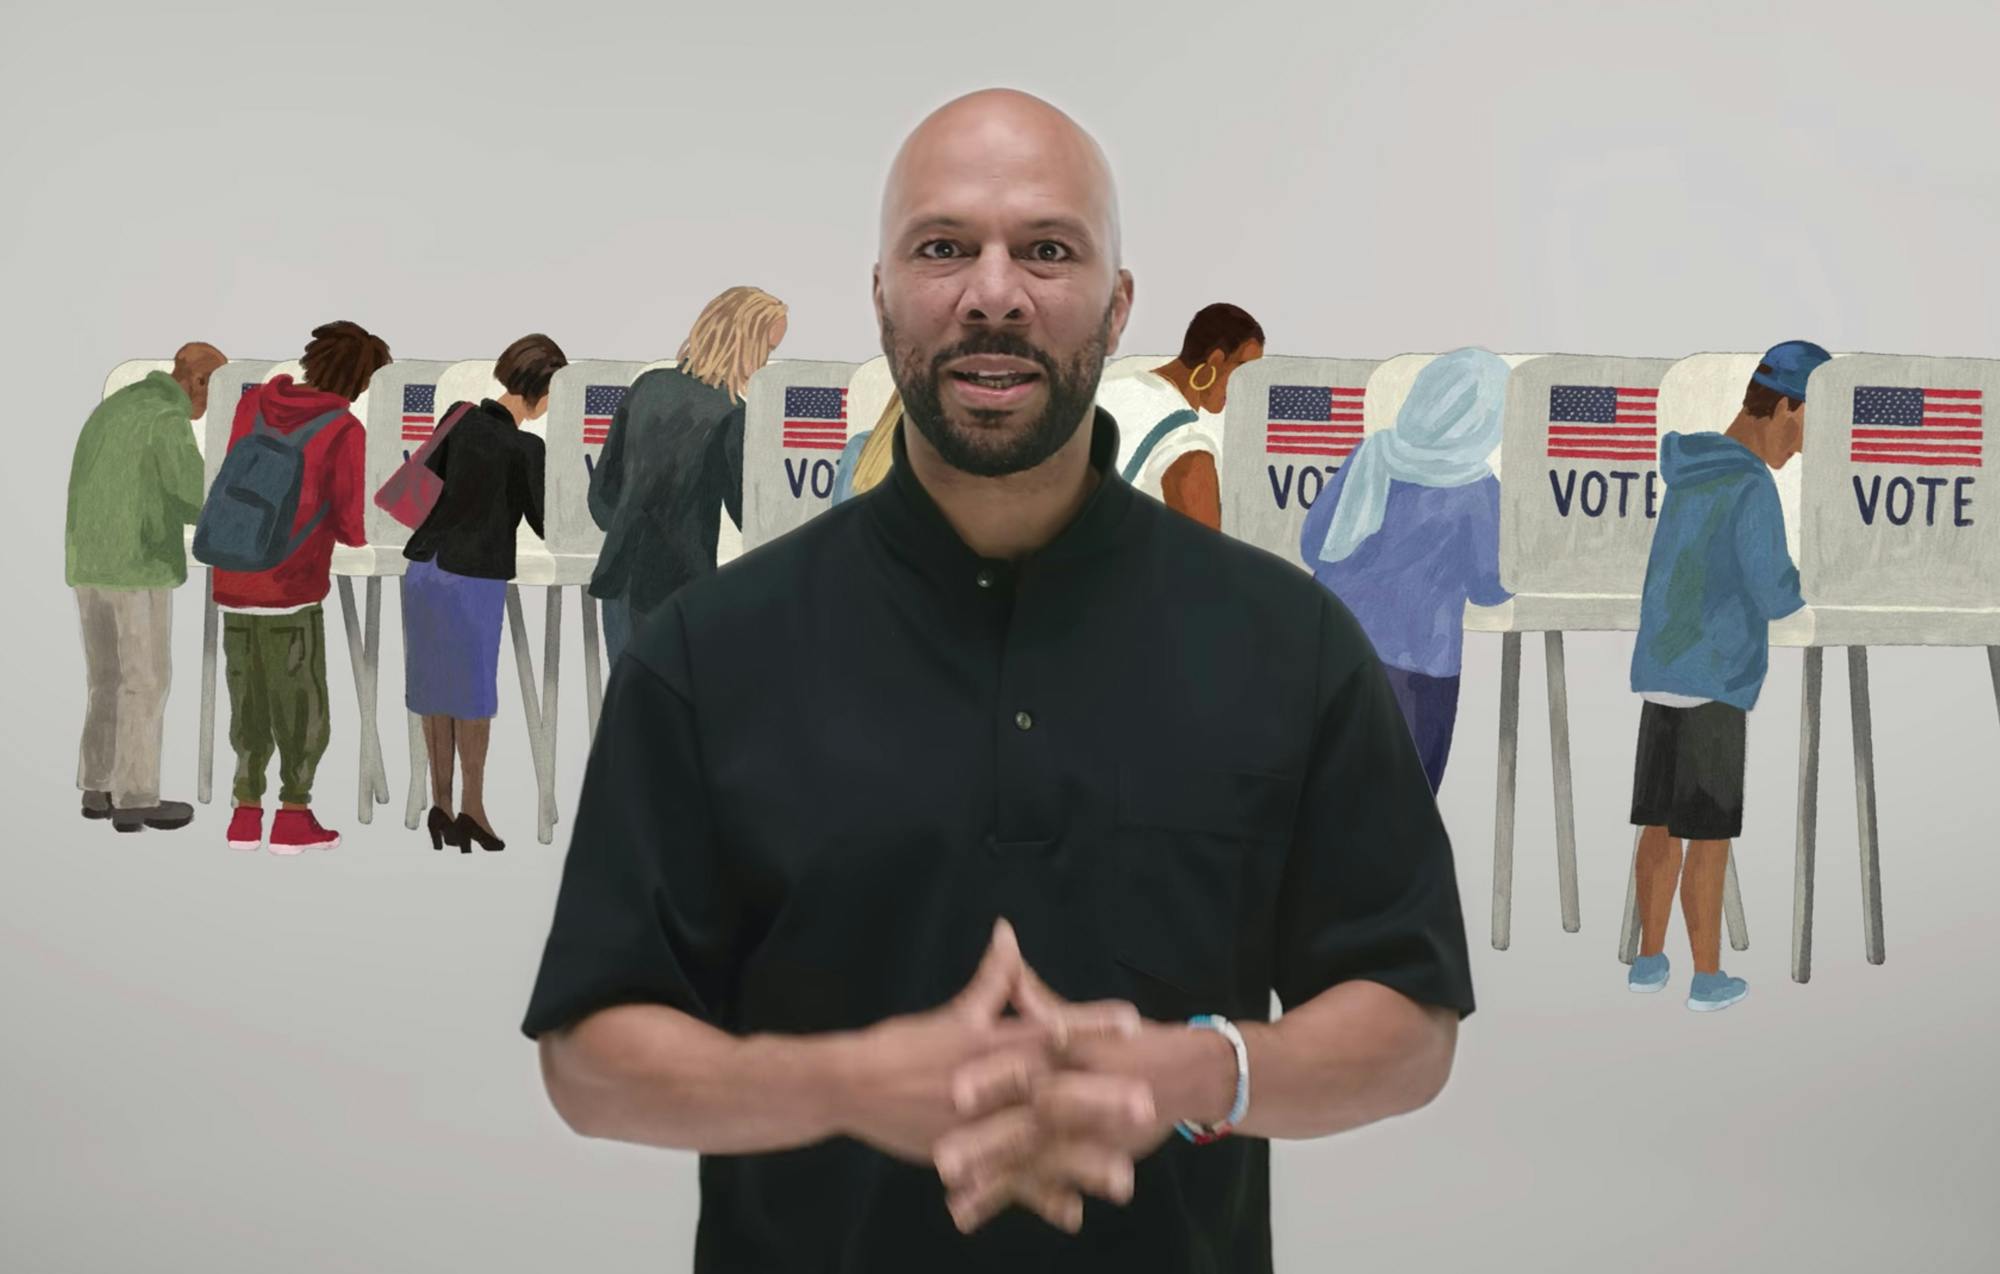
(1202, 1135)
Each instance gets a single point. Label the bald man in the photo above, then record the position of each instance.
(134, 482)
(901, 892)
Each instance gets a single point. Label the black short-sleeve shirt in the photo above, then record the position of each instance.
(1171, 760)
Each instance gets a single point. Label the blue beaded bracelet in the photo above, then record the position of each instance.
(1201, 1135)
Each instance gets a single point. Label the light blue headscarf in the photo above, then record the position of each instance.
(1448, 427)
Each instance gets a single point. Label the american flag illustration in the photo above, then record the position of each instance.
(1917, 426)
(419, 412)
(600, 404)
(815, 419)
(1604, 422)
(1313, 420)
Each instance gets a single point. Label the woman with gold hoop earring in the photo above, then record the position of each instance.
(1170, 416)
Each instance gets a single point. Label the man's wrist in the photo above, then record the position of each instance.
(822, 1071)
(841, 1061)
(1203, 1087)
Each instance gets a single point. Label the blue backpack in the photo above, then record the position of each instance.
(246, 521)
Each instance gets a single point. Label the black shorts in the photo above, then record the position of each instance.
(1689, 776)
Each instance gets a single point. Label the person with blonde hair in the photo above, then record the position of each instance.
(673, 460)
(869, 454)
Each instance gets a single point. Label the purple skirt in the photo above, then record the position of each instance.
(451, 643)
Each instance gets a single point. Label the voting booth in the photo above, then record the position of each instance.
(795, 425)
(400, 412)
(1895, 549)
(1580, 451)
(1389, 387)
(1291, 423)
(584, 397)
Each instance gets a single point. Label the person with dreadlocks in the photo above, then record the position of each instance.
(273, 628)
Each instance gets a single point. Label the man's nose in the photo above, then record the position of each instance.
(995, 291)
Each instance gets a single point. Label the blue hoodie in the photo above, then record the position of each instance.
(1718, 575)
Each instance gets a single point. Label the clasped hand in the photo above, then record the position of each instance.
(1034, 1110)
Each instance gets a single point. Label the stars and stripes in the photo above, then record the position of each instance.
(1604, 422)
(419, 412)
(600, 404)
(815, 419)
(1912, 425)
(1313, 420)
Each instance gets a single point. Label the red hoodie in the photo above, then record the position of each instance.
(334, 472)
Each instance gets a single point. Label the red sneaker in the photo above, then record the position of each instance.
(246, 828)
(294, 830)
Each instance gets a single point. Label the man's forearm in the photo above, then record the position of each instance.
(1357, 1053)
(1353, 1055)
(655, 1076)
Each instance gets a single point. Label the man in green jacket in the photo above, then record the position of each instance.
(134, 483)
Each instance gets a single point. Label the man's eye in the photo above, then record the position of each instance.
(1050, 250)
(938, 249)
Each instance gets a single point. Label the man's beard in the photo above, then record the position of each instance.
(1072, 389)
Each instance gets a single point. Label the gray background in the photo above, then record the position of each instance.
(239, 1063)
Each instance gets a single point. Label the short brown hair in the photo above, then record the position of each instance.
(342, 357)
(1762, 401)
(528, 365)
(1219, 326)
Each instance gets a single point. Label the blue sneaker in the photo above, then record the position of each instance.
(1649, 973)
(1712, 991)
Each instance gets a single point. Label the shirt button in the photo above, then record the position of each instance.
(986, 579)
(1024, 721)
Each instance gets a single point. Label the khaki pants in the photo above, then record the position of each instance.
(128, 661)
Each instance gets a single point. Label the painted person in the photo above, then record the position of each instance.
(273, 623)
(135, 481)
(672, 462)
(866, 458)
(455, 590)
(1718, 574)
(1170, 416)
(1408, 531)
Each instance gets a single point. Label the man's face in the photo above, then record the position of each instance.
(1788, 431)
(196, 386)
(997, 295)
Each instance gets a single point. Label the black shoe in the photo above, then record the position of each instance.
(443, 828)
(166, 816)
(469, 830)
(97, 805)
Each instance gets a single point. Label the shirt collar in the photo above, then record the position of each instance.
(914, 525)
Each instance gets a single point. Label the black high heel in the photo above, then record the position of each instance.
(442, 828)
(469, 830)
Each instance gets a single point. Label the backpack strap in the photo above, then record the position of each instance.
(305, 434)
(1155, 436)
(301, 437)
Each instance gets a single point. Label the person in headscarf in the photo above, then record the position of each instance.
(1409, 530)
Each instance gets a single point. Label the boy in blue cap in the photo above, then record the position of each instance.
(1718, 574)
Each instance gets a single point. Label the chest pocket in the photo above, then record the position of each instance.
(1193, 849)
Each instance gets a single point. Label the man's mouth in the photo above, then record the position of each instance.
(996, 380)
